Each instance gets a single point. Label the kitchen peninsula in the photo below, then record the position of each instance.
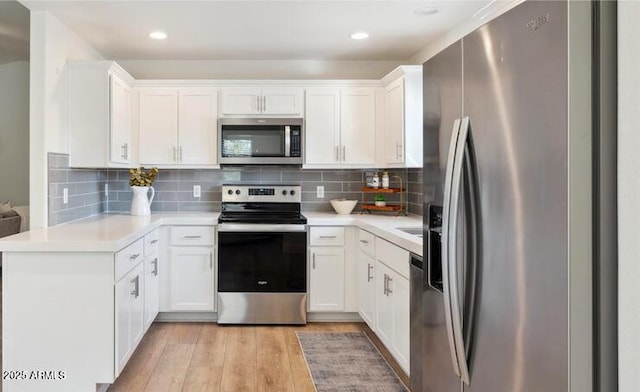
(78, 297)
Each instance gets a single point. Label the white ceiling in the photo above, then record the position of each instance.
(259, 30)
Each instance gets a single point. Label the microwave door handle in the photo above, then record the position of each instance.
(287, 141)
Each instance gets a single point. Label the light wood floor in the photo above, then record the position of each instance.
(210, 357)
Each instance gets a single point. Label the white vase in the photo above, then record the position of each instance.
(141, 205)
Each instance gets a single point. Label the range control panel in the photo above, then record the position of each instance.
(261, 193)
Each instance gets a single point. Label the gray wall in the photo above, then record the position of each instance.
(174, 188)
(14, 132)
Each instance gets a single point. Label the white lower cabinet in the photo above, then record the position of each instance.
(367, 289)
(191, 278)
(151, 290)
(129, 315)
(326, 279)
(383, 293)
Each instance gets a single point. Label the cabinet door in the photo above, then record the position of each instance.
(357, 126)
(197, 126)
(137, 305)
(123, 290)
(367, 288)
(151, 290)
(282, 101)
(326, 279)
(394, 122)
(384, 305)
(129, 315)
(241, 100)
(322, 126)
(158, 139)
(120, 118)
(192, 278)
(399, 287)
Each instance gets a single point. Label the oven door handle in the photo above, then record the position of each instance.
(259, 227)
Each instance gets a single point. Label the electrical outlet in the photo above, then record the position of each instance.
(320, 191)
(65, 195)
(196, 191)
(106, 190)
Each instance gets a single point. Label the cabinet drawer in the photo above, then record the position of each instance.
(151, 242)
(193, 235)
(393, 256)
(366, 242)
(128, 258)
(326, 236)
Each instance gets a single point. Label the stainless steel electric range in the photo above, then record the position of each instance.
(262, 255)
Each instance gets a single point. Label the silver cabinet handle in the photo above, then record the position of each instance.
(364, 241)
(344, 153)
(369, 268)
(191, 237)
(136, 286)
(155, 267)
(399, 150)
(180, 157)
(124, 151)
(211, 260)
(385, 285)
(338, 153)
(327, 236)
(133, 257)
(389, 281)
(154, 241)
(313, 262)
(258, 103)
(264, 103)
(397, 153)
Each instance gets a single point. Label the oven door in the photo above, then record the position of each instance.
(262, 274)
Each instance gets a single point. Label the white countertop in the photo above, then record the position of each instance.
(110, 233)
(381, 225)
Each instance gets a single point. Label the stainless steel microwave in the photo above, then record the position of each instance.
(260, 141)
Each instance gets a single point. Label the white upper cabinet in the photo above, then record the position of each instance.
(100, 115)
(262, 101)
(158, 121)
(178, 126)
(357, 126)
(198, 126)
(322, 126)
(402, 131)
(340, 127)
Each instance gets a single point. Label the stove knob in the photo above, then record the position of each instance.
(284, 193)
(237, 191)
(230, 192)
(292, 192)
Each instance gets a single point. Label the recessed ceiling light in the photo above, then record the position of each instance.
(360, 35)
(425, 11)
(158, 35)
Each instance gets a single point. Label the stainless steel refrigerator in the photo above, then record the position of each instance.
(508, 299)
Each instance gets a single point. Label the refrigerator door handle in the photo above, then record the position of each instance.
(454, 292)
(447, 238)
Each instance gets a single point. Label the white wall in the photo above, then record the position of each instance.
(14, 132)
(628, 199)
(258, 69)
(52, 45)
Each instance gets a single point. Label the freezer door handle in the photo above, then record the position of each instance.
(446, 244)
(462, 156)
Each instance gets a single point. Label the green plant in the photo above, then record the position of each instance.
(138, 177)
(379, 198)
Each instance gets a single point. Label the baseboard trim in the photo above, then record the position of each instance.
(333, 317)
(205, 317)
